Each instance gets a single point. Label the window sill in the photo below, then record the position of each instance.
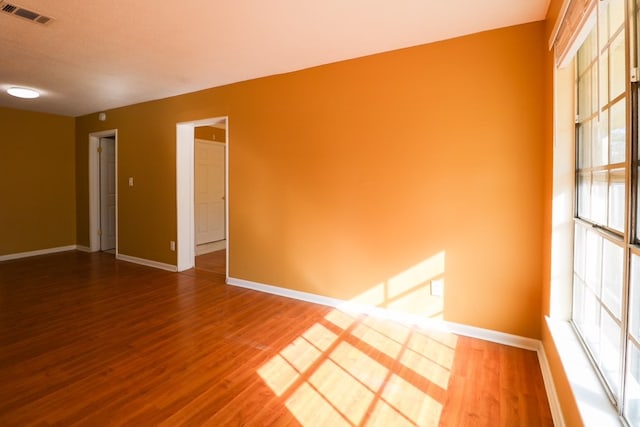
(593, 403)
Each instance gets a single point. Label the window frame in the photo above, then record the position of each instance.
(629, 238)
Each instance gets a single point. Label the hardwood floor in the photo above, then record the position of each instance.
(215, 262)
(89, 340)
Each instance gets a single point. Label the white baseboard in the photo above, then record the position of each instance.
(592, 400)
(550, 387)
(82, 248)
(47, 251)
(205, 248)
(284, 292)
(440, 325)
(147, 262)
(348, 306)
(494, 336)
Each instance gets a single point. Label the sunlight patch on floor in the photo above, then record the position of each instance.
(278, 374)
(320, 336)
(362, 367)
(377, 340)
(348, 395)
(349, 370)
(312, 409)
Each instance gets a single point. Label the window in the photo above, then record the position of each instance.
(606, 268)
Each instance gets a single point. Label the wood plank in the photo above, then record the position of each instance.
(215, 262)
(86, 339)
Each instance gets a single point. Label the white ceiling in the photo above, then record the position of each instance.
(102, 54)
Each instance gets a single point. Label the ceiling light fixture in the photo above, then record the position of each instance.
(23, 92)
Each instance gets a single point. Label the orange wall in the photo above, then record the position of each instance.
(210, 133)
(37, 181)
(354, 177)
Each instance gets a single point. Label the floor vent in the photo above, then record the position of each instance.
(24, 13)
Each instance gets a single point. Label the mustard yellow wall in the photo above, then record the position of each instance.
(366, 177)
(37, 181)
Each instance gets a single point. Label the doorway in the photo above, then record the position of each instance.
(209, 188)
(103, 192)
(107, 232)
(186, 197)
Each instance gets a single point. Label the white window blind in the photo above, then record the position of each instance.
(573, 25)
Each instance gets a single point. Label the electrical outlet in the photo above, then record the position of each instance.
(437, 287)
(172, 245)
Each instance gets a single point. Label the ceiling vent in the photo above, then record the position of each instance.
(23, 13)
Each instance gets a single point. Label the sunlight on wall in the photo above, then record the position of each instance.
(356, 371)
(419, 290)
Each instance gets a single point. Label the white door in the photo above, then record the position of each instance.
(209, 192)
(107, 194)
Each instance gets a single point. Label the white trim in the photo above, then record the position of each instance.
(593, 402)
(185, 142)
(147, 262)
(494, 336)
(563, 197)
(289, 293)
(185, 240)
(227, 218)
(206, 248)
(441, 325)
(28, 254)
(94, 193)
(348, 306)
(83, 248)
(550, 387)
(94, 187)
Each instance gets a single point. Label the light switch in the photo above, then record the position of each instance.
(130, 181)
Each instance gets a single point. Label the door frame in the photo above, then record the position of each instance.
(185, 195)
(94, 187)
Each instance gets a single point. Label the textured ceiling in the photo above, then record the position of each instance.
(100, 54)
